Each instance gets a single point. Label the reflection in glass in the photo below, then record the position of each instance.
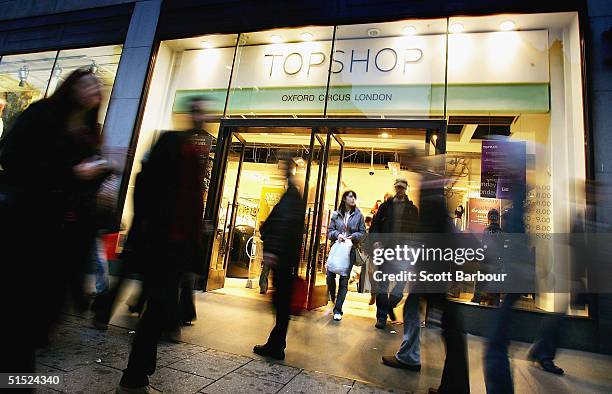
(394, 69)
(281, 72)
(103, 61)
(23, 80)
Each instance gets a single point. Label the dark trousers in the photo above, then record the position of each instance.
(387, 300)
(338, 298)
(545, 346)
(263, 278)
(187, 310)
(159, 314)
(498, 378)
(283, 283)
(455, 375)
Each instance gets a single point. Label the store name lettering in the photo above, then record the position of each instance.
(385, 60)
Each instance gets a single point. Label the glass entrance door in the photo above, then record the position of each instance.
(250, 184)
(247, 183)
(327, 201)
(227, 210)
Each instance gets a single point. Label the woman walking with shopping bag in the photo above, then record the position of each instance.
(346, 229)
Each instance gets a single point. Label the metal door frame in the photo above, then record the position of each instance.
(230, 126)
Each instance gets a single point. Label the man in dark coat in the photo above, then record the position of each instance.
(282, 237)
(166, 243)
(397, 215)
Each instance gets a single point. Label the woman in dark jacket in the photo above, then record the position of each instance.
(49, 177)
(347, 223)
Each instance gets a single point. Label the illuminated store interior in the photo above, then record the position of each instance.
(492, 78)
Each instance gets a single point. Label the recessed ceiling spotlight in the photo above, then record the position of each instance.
(373, 32)
(507, 26)
(206, 44)
(409, 30)
(456, 28)
(276, 39)
(307, 36)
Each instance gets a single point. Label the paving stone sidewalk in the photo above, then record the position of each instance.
(91, 361)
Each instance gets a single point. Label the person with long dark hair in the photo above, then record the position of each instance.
(50, 173)
(346, 223)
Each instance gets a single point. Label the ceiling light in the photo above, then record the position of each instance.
(276, 39)
(385, 135)
(507, 26)
(409, 30)
(93, 67)
(374, 32)
(456, 28)
(206, 44)
(23, 73)
(307, 36)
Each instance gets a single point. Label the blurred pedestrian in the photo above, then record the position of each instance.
(346, 223)
(433, 223)
(50, 173)
(498, 377)
(100, 266)
(397, 215)
(166, 243)
(282, 237)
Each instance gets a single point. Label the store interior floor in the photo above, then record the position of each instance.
(352, 348)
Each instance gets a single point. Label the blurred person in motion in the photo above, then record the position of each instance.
(589, 239)
(194, 142)
(166, 243)
(100, 266)
(50, 173)
(346, 223)
(433, 223)
(397, 215)
(516, 254)
(282, 237)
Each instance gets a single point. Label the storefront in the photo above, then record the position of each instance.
(349, 99)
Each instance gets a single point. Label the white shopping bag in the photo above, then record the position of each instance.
(339, 258)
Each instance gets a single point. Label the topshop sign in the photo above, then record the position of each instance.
(384, 60)
(405, 75)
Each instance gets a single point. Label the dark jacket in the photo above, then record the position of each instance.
(168, 206)
(384, 220)
(283, 230)
(37, 156)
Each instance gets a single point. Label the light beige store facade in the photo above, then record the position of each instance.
(350, 100)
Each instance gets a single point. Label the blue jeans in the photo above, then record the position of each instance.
(409, 351)
(101, 266)
(342, 290)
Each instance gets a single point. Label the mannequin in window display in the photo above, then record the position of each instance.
(493, 263)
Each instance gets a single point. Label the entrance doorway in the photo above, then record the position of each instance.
(330, 156)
